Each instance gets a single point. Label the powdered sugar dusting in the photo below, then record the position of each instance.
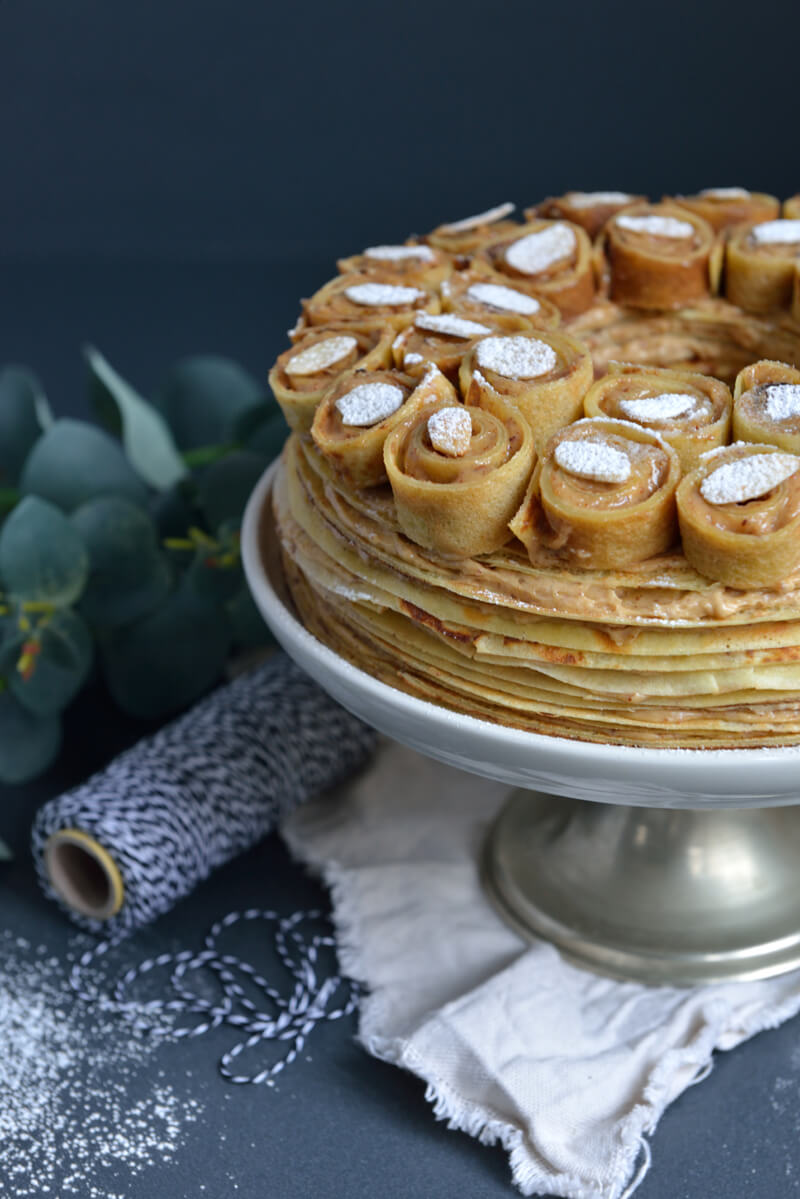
(667, 406)
(726, 193)
(507, 299)
(783, 401)
(593, 460)
(592, 199)
(771, 233)
(450, 431)
(482, 218)
(516, 357)
(537, 251)
(399, 253)
(377, 294)
(412, 359)
(450, 325)
(369, 403)
(321, 355)
(655, 226)
(748, 478)
(77, 1108)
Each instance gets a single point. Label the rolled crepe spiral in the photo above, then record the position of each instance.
(303, 373)
(590, 210)
(666, 260)
(552, 259)
(582, 503)
(723, 207)
(746, 531)
(765, 409)
(791, 208)
(358, 298)
(760, 274)
(356, 450)
(459, 502)
(441, 338)
(490, 298)
(549, 392)
(413, 263)
(796, 295)
(468, 235)
(691, 412)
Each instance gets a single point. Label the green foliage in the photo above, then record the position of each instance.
(169, 658)
(23, 413)
(224, 488)
(43, 559)
(145, 434)
(267, 438)
(128, 572)
(246, 622)
(204, 399)
(46, 661)
(28, 743)
(73, 462)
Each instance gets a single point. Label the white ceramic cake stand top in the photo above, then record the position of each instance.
(583, 770)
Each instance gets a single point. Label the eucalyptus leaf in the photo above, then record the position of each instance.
(73, 462)
(28, 743)
(224, 488)
(59, 668)
(145, 434)
(22, 407)
(218, 583)
(247, 624)
(169, 658)
(268, 438)
(203, 399)
(253, 418)
(42, 556)
(128, 573)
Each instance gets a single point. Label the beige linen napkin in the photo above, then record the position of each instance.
(569, 1071)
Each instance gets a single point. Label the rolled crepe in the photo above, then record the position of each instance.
(357, 414)
(458, 475)
(442, 338)
(470, 234)
(552, 259)
(690, 411)
(602, 496)
(358, 298)
(766, 405)
(791, 208)
(303, 373)
(723, 207)
(488, 297)
(412, 262)
(544, 374)
(796, 295)
(590, 210)
(760, 265)
(660, 256)
(739, 514)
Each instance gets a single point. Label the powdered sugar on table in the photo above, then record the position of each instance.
(516, 357)
(321, 355)
(538, 251)
(748, 478)
(369, 403)
(507, 299)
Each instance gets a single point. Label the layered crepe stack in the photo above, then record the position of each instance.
(560, 628)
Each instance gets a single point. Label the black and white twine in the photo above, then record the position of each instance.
(185, 801)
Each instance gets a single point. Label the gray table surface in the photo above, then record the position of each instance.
(339, 1123)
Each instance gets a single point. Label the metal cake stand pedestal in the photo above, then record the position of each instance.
(664, 866)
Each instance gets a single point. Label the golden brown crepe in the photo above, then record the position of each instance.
(724, 207)
(760, 264)
(660, 256)
(552, 259)
(766, 405)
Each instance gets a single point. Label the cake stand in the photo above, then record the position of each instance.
(661, 865)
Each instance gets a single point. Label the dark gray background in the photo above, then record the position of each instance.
(173, 176)
(248, 128)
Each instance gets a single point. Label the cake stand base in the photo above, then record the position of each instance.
(657, 895)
